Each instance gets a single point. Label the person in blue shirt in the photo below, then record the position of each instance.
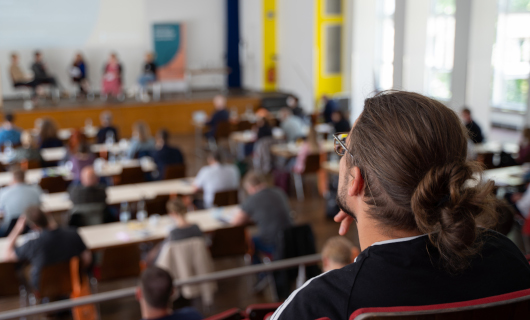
(107, 130)
(9, 132)
(79, 74)
(164, 154)
(220, 115)
(154, 295)
(330, 106)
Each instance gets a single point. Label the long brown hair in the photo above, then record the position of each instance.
(48, 129)
(412, 153)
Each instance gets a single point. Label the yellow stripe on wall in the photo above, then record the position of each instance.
(270, 73)
(326, 83)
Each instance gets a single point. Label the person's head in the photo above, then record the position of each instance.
(176, 208)
(19, 175)
(254, 182)
(88, 177)
(36, 218)
(83, 148)
(113, 58)
(285, 113)
(337, 253)
(141, 131)
(325, 99)
(162, 137)
(78, 142)
(406, 172)
(9, 117)
(48, 129)
(78, 58)
(14, 58)
(466, 115)
(149, 57)
(337, 116)
(27, 140)
(214, 157)
(38, 56)
(105, 118)
(292, 101)
(154, 292)
(219, 102)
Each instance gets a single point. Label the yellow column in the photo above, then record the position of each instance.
(270, 73)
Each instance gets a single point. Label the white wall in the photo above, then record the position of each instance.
(251, 55)
(416, 16)
(124, 27)
(296, 62)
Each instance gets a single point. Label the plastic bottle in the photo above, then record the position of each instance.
(141, 214)
(125, 214)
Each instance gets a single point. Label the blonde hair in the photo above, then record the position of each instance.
(339, 250)
(176, 206)
(48, 129)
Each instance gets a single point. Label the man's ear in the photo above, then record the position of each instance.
(138, 294)
(356, 184)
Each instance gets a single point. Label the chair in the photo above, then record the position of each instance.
(226, 198)
(9, 277)
(230, 314)
(120, 262)
(87, 214)
(243, 125)
(227, 242)
(259, 311)
(30, 164)
(53, 184)
(174, 171)
(312, 165)
(514, 306)
(130, 176)
(55, 281)
(222, 132)
(157, 205)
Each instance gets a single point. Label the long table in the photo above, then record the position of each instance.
(60, 201)
(153, 229)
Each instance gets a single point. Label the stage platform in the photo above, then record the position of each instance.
(173, 113)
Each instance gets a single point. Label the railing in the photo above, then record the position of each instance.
(128, 292)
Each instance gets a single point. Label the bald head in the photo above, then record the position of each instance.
(219, 102)
(89, 177)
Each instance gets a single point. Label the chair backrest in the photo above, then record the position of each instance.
(226, 198)
(312, 163)
(231, 241)
(87, 214)
(130, 175)
(120, 262)
(259, 311)
(9, 278)
(157, 205)
(55, 280)
(244, 125)
(230, 314)
(30, 164)
(511, 306)
(223, 130)
(53, 184)
(174, 171)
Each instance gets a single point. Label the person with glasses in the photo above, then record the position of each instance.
(421, 212)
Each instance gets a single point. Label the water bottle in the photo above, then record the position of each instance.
(8, 148)
(141, 214)
(109, 139)
(125, 214)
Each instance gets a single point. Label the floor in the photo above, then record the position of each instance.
(236, 292)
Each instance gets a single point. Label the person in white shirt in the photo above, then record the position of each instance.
(216, 177)
(293, 126)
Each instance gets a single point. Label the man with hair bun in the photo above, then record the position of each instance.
(403, 179)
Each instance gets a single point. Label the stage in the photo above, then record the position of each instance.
(173, 112)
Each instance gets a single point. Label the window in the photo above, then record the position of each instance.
(511, 56)
(440, 49)
(333, 7)
(384, 49)
(333, 48)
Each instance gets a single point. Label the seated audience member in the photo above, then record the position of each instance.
(337, 253)
(524, 147)
(53, 244)
(18, 77)
(48, 135)
(177, 210)
(107, 130)
(164, 154)
(293, 104)
(216, 177)
(29, 151)
(148, 74)
(17, 197)
(340, 123)
(310, 146)
(78, 72)
(40, 71)
(142, 144)
(269, 208)
(261, 154)
(154, 295)
(112, 77)
(475, 133)
(330, 106)
(89, 190)
(220, 115)
(292, 126)
(263, 128)
(8, 132)
(403, 180)
(82, 158)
